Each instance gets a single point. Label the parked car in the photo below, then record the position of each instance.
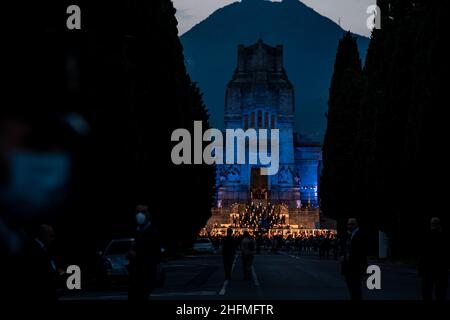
(115, 257)
(203, 245)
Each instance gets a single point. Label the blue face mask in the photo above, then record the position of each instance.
(140, 218)
(37, 182)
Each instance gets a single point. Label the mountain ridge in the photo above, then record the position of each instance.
(309, 40)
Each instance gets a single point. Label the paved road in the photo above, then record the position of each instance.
(275, 276)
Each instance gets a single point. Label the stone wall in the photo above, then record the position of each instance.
(305, 218)
(219, 216)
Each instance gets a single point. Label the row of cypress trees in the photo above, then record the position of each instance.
(384, 151)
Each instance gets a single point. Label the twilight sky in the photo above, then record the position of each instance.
(352, 13)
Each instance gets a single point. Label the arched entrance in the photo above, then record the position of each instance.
(259, 185)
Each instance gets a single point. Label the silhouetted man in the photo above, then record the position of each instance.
(248, 248)
(434, 263)
(354, 260)
(145, 257)
(228, 252)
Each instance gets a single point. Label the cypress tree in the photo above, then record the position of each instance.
(345, 91)
(400, 122)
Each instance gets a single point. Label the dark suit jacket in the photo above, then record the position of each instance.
(228, 247)
(434, 254)
(355, 261)
(147, 246)
(41, 274)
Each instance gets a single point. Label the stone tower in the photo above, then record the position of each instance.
(259, 96)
